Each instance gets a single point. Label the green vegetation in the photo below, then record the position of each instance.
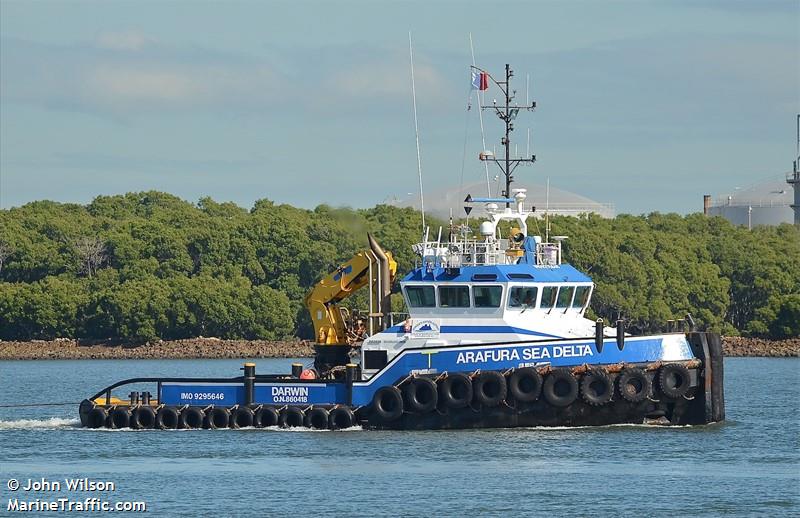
(149, 265)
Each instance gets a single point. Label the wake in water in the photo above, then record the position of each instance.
(51, 423)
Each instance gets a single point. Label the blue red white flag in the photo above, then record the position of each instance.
(480, 80)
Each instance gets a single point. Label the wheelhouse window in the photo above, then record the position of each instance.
(581, 297)
(522, 297)
(421, 296)
(548, 297)
(454, 296)
(564, 297)
(487, 296)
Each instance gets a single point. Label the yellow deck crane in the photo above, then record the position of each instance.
(333, 336)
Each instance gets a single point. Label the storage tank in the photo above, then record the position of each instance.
(765, 203)
(561, 202)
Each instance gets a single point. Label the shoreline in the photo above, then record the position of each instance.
(215, 348)
(187, 349)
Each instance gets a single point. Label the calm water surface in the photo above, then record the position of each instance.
(748, 466)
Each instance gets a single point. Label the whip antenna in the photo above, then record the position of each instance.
(416, 130)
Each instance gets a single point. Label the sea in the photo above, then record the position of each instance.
(746, 466)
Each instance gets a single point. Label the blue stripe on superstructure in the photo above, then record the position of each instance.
(479, 330)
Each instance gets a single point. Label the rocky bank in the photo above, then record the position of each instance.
(67, 349)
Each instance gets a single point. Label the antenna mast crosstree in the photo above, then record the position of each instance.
(507, 113)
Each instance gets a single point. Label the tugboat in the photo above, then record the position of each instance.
(496, 336)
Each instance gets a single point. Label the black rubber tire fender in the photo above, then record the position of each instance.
(387, 403)
(560, 387)
(192, 417)
(317, 418)
(490, 388)
(291, 417)
(119, 417)
(265, 417)
(168, 418)
(674, 380)
(597, 387)
(634, 385)
(96, 417)
(341, 417)
(241, 417)
(217, 417)
(456, 390)
(143, 418)
(421, 395)
(525, 384)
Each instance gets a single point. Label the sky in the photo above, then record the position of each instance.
(644, 104)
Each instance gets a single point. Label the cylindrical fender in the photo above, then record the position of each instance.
(341, 417)
(120, 417)
(265, 417)
(291, 417)
(525, 384)
(168, 418)
(596, 387)
(456, 390)
(387, 403)
(490, 388)
(634, 385)
(217, 417)
(317, 418)
(96, 417)
(421, 395)
(560, 388)
(242, 417)
(674, 379)
(143, 417)
(191, 417)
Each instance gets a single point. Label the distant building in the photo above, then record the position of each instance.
(766, 203)
(560, 202)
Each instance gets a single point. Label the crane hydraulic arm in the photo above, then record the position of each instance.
(374, 267)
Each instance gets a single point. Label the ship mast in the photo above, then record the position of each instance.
(507, 113)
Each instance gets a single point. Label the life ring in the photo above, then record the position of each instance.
(341, 417)
(120, 417)
(674, 379)
(143, 417)
(317, 418)
(291, 417)
(525, 384)
(96, 417)
(560, 387)
(217, 417)
(191, 417)
(242, 417)
(168, 418)
(634, 385)
(597, 388)
(490, 388)
(388, 403)
(421, 395)
(265, 417)
(456, 390)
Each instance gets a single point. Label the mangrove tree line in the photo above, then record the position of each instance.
(149, 265)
